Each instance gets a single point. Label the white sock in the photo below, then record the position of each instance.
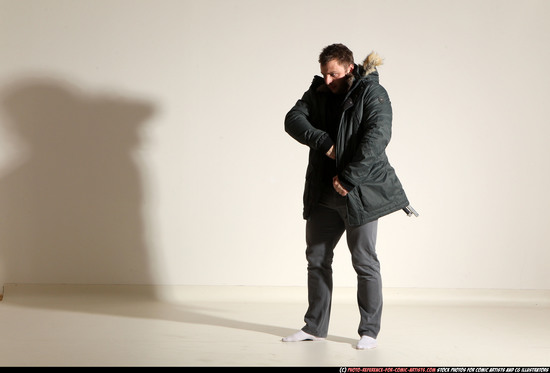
(300, 335)
(366, 343)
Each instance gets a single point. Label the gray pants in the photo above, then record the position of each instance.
(324, 228)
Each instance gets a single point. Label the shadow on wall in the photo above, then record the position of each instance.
(70, 212)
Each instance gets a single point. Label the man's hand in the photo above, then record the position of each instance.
(338, 187)
(331, 153)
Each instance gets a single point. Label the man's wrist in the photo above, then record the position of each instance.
(326, 145)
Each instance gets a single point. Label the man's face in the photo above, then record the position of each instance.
(335, 76)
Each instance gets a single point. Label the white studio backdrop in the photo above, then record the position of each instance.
(142, 142)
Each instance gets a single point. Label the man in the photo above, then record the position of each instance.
(345, 119)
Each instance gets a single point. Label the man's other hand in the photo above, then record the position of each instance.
(338, 187)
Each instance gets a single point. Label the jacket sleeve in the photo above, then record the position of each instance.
(369, 156)
(298, 125)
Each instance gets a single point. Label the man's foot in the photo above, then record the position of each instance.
(366, 343)
(300, 335)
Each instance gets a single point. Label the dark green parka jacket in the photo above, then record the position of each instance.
(364, 133)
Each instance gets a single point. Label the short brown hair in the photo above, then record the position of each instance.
(338, 52)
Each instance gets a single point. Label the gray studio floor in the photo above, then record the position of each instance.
(46, 325)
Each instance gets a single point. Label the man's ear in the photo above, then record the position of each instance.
(351, 66)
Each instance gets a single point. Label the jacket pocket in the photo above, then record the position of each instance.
(372, 197)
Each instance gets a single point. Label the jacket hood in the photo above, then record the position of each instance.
(367, 68)
(370, 63)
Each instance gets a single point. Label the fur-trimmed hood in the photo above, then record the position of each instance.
(368, 67)
(370, 63)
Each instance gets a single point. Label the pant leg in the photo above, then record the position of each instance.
(362, 245)
(324, 228)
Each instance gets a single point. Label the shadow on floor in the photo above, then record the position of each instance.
(138, 302)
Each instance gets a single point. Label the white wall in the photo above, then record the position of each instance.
(142, 141)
